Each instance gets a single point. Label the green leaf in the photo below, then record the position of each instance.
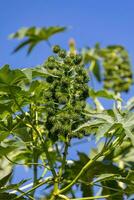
(96, 70)
(4, 180)
(9, 196)
(86, 190)
(40, 71)
(130, 176)
(5, 108)
(102, 130)
(13, 186)
(5, 150)
(22, 44)
(35, 35)
(10, 77)
(130, 135)
(105, 177)
(103, 93)
(28, 73)
(31, 47)
(3, 135)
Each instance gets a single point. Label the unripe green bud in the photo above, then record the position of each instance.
(56, 48)
(77, 59)
(51, 58)
(62, 53)
(72, 55)
(67, 60)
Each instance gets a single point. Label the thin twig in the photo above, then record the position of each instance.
(24, 163)
(33, 188)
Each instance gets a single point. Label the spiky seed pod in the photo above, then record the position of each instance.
(62, 53)
(77, 60)
(72, 55)
(51, 59)
(68, 60)
(66, 94)
(56, 48)
(117, 69)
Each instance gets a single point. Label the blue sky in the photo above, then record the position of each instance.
(89, 21)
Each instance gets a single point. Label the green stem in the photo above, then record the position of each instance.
(49, 160)
(102, 186)
(32, 189)
(38, 164)
(95, 197)
(39, 135)
(35, 173)
(89, 163)
(104, 151)
(63, 197)
(98, 104)
(64, 160)
(98, 185)
(91, 67)
(27, 195)
(56, 189)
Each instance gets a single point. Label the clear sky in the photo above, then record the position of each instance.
(89, 21)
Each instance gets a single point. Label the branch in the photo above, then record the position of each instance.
(64, 159)
(89, 163)
(16, 163)
(39, 135)
(42, 182)
(95, 197)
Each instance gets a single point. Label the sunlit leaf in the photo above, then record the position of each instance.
(35, 35)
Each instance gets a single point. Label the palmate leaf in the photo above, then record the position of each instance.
(11, 187)
(112, 188)
(11, 80)
(11, 85)
(6, 150)
(111, 120)
(35, 35)
(115, 62)
(9, 196)
(40, 71)
(95, 69)
(101, 171)
(90, 56)
(130, 104)
(103, 93)
(105, 177)
(4, 188)
(5, 179)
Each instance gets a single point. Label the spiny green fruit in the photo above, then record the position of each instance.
(77, 59)
(117, 69)
(62, 53)
(66, 94)
(68, 60)
(56, 48)
(51, 58)
(72, 55)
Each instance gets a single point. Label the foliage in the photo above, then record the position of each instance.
(45, 108)
(35, 35)
(117, 74)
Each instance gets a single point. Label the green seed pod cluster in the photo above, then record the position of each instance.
(117, 69)
(66, 93)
